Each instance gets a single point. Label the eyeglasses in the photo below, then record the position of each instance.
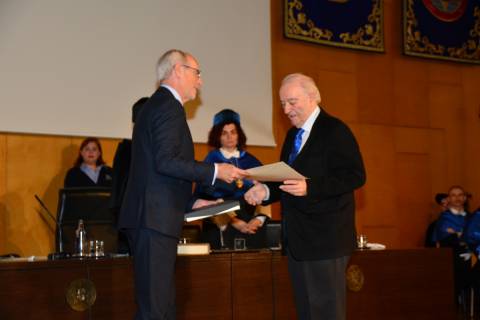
(197, 71)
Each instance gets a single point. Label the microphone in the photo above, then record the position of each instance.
(60, 254)
(46, 210)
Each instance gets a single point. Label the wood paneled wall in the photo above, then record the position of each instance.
(416, 120)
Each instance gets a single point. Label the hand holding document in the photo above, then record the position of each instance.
(275, 172)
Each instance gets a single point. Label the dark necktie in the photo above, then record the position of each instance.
(296, 146)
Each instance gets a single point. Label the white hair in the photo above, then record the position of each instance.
(307, 84)
(167, 61)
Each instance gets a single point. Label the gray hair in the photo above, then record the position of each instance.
(307, 84)
(167, 61)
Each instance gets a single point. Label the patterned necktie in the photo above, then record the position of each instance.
(296, 146)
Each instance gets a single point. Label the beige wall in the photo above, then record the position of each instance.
(416, 120)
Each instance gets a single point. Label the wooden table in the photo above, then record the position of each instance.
(398, 284)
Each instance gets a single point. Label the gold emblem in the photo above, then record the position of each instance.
(239, 183)
(355, 278)
(81, 294)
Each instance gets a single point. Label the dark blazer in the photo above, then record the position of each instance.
(321, 225)
(76, 178)
(121, 169)
(159, 187)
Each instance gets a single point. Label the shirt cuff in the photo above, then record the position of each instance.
(215, 173)
(267, 192)
(262, 219)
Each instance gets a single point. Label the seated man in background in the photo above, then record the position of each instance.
(450, 224)
(449, 232)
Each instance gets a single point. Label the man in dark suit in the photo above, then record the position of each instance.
(159, 186)
(318, 213)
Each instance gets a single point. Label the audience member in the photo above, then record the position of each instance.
(121, 162)
(121, 169)
(449, 232)
(450, 224)
(229, 140)
(89, 169)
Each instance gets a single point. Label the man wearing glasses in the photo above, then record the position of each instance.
(159, 189)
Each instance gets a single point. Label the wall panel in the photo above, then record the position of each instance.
(3, 191)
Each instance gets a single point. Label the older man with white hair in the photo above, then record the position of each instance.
(318, 213)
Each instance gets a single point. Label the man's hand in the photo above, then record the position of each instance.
(229, 173)
(249, 228)
(203, 203)
(240, 225)
(255, 194)
(253, 225)
(295, 187)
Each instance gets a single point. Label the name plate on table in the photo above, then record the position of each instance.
(186, 249)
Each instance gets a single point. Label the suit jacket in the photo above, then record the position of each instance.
(121, 169)
(159, 186)
(321, 225)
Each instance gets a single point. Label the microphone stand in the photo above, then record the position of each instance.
(60, 254)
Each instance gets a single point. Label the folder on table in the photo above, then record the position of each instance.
(212, 210)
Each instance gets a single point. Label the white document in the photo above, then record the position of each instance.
(275, 172)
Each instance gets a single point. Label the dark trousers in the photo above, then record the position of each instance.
(319, 288)
(154, 257)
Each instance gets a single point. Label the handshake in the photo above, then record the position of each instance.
(230, 173)
(259, 192)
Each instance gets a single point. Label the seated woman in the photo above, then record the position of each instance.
(89, 169)
(228, 139)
